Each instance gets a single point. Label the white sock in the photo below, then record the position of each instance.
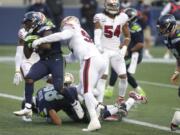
(101, 87)
(89, 101)
(122, 87)
(129, 103)
(95, 92)
(176, 119)
(112, 109)
(28, 106)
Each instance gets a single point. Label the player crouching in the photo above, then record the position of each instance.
(48, 102)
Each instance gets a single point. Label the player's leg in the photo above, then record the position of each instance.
(90, 101)
(57, 71)
(37, 71)
(101, 83)
(112, 81)
(131, 80)
(119, 66)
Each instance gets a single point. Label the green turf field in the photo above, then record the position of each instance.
(154, 78)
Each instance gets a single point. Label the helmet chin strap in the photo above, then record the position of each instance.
(110, 14)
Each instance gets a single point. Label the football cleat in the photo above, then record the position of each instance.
(27, 111)
(27, 118)
(78, 109)
(138, 97)
(174, 127)
(141, 92)
(108, 92)
(23, 112)
(122, 111)
(93, 125)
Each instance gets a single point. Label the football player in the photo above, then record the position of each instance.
(48, 102)
(109, 27)
(51, 62)
(92, 64)
(167, 27)
(134, 52)
(23, 63)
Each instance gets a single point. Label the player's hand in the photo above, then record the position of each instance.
(17, 78)
(123, 51)
(36, 43)
(175, 77)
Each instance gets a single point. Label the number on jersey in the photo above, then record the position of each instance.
(109, 33)
(51, 94)
(86, 36)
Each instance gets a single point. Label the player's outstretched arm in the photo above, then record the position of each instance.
(54, 117)
(64, 35)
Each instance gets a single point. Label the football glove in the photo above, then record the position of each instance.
(17, 78)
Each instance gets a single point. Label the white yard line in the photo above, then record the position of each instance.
(158, 84)
(153, 60)
(146, 124)
(11, 96)
(136, 122)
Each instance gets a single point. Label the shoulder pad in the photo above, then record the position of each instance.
(98, 17)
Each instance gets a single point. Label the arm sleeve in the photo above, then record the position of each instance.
(64, 35)
(18, 57)
(97, 36)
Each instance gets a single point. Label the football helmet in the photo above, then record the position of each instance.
(166, 24)
(32, 20)
(112, 6)
(132, 14)
(70, 20)
(42, 17)
(68, 79)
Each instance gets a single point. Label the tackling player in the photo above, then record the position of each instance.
(92, 65)
(51, 62)
(109, 27)
(48, 102)
(167, 27)
(134, 52)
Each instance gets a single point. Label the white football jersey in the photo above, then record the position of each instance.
(111, 29)
(80, 43)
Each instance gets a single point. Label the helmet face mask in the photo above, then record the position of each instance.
(112, 6)
(32, 20)
(132, 14)
(166, 24)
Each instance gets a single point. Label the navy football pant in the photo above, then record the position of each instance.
(41, 69)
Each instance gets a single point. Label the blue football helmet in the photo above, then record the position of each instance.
(166, 24)
(31, 20)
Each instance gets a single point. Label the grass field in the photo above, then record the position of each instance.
(154, 78)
